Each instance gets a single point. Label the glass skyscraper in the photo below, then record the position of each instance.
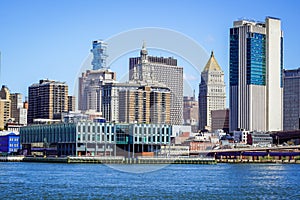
(99, 51)
(291, 99)
(256, 63)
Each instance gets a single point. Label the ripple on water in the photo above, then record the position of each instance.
(91, 181)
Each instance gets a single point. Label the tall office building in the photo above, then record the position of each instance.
(256, 64)
(97, 89)
(147, 104)
(110, 99)
(47, 100)
(163, 70)
(291, 99)
(212, 93)
(90, 88)
(5, 105)
(99, 51)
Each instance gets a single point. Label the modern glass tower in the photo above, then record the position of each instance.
(99, 51)
(256, 64)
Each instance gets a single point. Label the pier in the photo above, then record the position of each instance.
(11, 158)
(121, 160)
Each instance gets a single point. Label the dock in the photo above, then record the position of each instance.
(112, 160)
(145, 160)
(11, 158)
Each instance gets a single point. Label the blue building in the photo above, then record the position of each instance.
(10, 143)
(256, 64)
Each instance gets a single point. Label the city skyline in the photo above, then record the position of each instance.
(35, 44)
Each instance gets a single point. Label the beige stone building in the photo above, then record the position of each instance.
(5, 105)
(147, 104)
(165, 71)
(212, 94)
(4, 112)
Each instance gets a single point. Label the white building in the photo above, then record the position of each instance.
(90, 88)
(256, 63)
(212, 93)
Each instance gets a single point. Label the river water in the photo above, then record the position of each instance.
(96, 181)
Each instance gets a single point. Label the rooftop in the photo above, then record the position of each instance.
(212, 64)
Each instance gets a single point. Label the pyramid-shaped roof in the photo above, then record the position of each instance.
(212, 64)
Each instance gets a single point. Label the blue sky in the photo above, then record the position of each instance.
(51, 39)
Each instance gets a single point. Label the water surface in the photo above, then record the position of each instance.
(95, 181)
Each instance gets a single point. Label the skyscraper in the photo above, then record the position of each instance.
(165, 71)
(212, 94)
(99, 51)
(291, 99)
(96, 86)
(256, 63)
(47, 100)
(91, 85)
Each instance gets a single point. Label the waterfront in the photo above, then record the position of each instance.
(90, 181)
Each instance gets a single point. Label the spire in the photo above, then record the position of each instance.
(212, 64)
(144, 45)
(144, 50)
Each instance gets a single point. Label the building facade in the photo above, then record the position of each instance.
(9, 143)
(291, 100)
(5, 106)
(16, 103)
(191, 112)
(256, 63)
(17, 111)
(146, 104)
(47, 100)
(99, 51)
(90, 88)
(163, 70)
(212, 93)
(93, 139)
(220, 120)
(71, 103)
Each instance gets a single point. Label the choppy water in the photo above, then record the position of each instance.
(94, 181)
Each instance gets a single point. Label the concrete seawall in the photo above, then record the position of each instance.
(121, 160)
(140, 160)
(11, 158)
